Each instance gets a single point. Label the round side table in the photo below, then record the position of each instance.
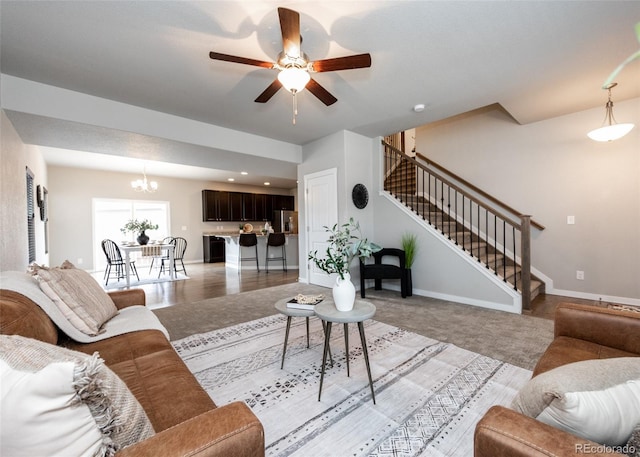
(281, 306)
(362, 310)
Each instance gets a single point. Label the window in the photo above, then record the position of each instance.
(31, 218)
(110, 215)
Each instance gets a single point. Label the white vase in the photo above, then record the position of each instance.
(344, 293)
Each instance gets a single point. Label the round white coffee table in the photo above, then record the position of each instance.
(362, 310)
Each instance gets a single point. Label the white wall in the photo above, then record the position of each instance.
(15, 156)
(440, 269)
(353, 155)
(551, 170)
(25, 96)
(71, 192)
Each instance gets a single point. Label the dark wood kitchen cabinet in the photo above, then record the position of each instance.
(235, 206)
(249, 207)
(215, 205)
(284, 202)
(218, 205)
(264, 207)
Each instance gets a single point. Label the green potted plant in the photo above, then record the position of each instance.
(345, 244)
(410, 248)
(139, 227)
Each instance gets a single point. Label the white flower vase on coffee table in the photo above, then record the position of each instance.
(344, 293)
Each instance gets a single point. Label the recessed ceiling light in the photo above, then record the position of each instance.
(244, 173)
(230, 179)
(419, 108)
(267, 183)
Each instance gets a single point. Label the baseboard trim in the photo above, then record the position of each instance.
(594, 297)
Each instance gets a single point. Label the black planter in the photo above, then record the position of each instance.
(143, 239)
(409, 284)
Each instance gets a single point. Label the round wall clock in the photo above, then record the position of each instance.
(360, 196)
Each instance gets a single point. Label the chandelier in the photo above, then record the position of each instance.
(143, 185)
(610, 129)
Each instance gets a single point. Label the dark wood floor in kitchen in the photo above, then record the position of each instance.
(208, 280)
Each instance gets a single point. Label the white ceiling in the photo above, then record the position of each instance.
(538, 59)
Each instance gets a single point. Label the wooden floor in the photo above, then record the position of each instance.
(545, 305)
(208, 280)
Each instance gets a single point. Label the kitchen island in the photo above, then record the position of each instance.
(232, 251)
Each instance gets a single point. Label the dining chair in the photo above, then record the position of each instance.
(165, 240)
(180, 246)
(276, 240)
(114, 259)
(247, 240)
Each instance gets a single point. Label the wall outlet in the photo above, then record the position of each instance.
(79, 262)
(571, 220)
(184, 228)
(580, 275)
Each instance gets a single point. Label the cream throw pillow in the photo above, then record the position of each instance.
(77, 295)
(46, 393)
(41, 414)
(598, 400)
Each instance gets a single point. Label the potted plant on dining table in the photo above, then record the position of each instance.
(345, 244)
(139, 227)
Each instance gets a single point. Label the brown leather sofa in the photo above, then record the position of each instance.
(581, 333)
(186, 420)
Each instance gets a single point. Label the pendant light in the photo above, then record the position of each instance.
(610, 129)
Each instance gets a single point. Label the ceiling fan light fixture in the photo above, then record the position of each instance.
(294, 79)
(610, 130)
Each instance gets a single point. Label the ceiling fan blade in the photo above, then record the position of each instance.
(320, 92)
(269, 92)
(290, 27)
(342, 63)
(236, 59)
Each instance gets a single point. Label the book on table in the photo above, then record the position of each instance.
(304, 303)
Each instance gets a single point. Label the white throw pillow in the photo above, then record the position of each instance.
(78, 296)
(116, 413)
(598, 400)
(41, 414)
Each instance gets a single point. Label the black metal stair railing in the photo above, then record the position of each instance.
(491, 235)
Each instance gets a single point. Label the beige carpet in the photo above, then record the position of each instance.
(516, 339)
(429, 394)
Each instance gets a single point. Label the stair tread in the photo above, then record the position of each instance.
(438, 218)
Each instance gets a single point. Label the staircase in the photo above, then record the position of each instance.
(402, 179)
(474, 223)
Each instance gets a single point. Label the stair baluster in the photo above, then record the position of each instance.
(438, 204)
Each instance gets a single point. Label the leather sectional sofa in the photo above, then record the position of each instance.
(581, 333)
(186, 420)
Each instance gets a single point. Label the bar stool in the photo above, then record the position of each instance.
(276, 240)
(247, 240)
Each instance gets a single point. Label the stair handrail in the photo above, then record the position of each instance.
(524, 226)
(451, 184)
(475, 189)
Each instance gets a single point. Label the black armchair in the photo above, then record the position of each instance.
(380, 271)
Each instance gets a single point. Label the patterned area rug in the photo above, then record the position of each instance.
(429, 394)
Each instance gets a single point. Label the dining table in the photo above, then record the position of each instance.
(150, 249)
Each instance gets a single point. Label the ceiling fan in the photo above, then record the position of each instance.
(294, 66)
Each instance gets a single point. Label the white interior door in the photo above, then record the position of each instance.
(321, 193)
